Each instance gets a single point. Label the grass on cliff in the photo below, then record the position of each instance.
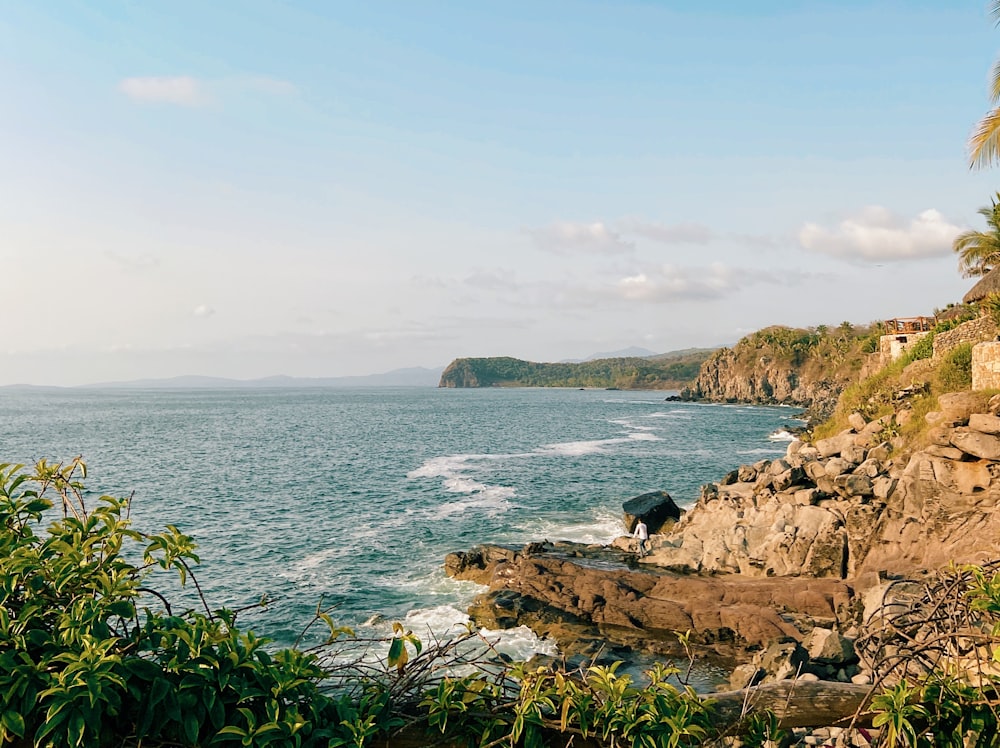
(915, 380)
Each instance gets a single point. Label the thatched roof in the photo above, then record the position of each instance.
(989, 283)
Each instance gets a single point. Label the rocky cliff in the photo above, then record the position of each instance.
(782, 365)
(774, 548)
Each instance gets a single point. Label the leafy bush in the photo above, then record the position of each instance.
(955, 371)
(92, 655)
(84, 661)
(935, 662)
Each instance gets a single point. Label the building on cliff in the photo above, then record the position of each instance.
(901, 334)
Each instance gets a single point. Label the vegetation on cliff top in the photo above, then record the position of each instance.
(794, 366)
(660, 372)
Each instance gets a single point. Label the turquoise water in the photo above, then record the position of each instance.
(354, 496)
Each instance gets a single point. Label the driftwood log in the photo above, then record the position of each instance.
(795, 703)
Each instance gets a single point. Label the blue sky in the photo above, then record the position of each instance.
(323, 189)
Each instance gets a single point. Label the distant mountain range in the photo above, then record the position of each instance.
(416, 376)
(630, 352)
(411, 377)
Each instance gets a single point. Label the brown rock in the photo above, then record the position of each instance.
(987, 424)
(655, 508)
(857, 422)
(777, 467)
(993, 406)
(854, 454)
(883, 486)
(940, 435)
(970, 477)
(837, 466)
(562, 584)
(880, 452)
(850, 486)
(827, 647)
(949, 453)
(835, 444)
(814, 469)
(869, 467)
(977, 444)
(808, 496)
(956, 407)
(791, 477)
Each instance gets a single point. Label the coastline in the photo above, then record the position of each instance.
(783, 569)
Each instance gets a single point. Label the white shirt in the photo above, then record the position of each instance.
(640, 531)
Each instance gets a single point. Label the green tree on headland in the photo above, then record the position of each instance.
(979, 251)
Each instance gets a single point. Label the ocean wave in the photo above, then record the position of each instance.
(782, 435)
(676, 415)
(444, 622)
(761, 451)
(602, 528)
(493, 501)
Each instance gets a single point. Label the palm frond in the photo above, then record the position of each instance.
(995, 82)
(984, 144)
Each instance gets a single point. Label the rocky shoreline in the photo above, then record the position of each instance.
(781, 565)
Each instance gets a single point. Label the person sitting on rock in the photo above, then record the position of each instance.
(642, 535)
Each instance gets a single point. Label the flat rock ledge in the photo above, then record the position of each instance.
(588, 596)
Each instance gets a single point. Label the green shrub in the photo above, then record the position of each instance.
(954, 373)
(85, 661)
(92, 655)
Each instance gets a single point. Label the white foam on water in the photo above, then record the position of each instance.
(444, 466)
(454, 470)
(631, 425)
(643, 436)
(520, 643)
(761, 451)
(492, 500)
(440, 622)
(445, 622)
(603, 528)
(463, 485)
(674, 415)
(580, 448)
(781, 435)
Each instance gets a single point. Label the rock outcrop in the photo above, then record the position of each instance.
(842, 507)
(655, 508)
(559, 589)
(808, 368)
(773, 550)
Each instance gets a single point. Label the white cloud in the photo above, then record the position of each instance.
(876, 234)
(677, 233)
(670, 283)
(568, 238)
(203, 310)
(184, 90)
(181, 90)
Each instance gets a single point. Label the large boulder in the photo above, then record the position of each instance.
(976, 443)
(655, 508)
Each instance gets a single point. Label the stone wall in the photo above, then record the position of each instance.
(892, 347)
(986, 366)
(974, 331)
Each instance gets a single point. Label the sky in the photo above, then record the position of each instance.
(321, 189)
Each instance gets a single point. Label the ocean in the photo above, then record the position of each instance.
(351, 498)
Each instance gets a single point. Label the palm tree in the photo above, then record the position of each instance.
(979, 251)
(984, 144)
